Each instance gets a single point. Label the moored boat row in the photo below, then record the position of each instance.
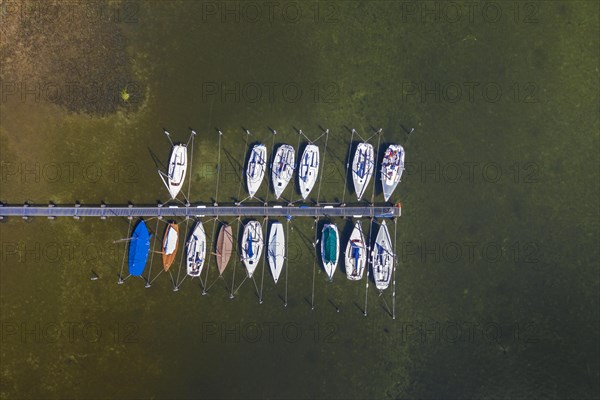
(283, 167)
(251, 249)
(355, 257)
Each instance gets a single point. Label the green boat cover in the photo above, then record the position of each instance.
(330, 245)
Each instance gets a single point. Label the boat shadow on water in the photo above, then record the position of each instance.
(157, 160)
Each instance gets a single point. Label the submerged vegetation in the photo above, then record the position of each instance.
(73, 54)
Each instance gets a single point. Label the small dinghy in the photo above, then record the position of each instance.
(356, 254)
(382, 258)
(362, 168)
(252, 246)
(177, 169)
(282, 168)
(330, 249)
(196, 250)
(224, 246)
(255, 171)
(391, 169)
(276, 250)
(139, 247)
(308, 169)
(169, 245)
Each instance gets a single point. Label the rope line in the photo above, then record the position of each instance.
(394, 272)
(347, 166)
(212, 238)
(287, 240)
(316, 224)
(148, 281)
(323, 165)
(124, 255)
(182, 253)
(367, 266)
(242, 172)
(374, 169)
(296, 175)
(191, 168)
(237, 250)
(262, 278)
(218, 169)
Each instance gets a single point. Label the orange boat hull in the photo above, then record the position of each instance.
(168, 259)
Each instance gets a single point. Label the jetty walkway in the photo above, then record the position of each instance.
(165, 211)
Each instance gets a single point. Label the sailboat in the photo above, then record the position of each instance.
(196, 250)
(282, 168)
(139, 247)
(177, 169)
(391, 169)
(169, 245)
(308, 169)
(224, 246)
(255, 171)
(356, 254)
(362, 168)
(330, 249)
(276, 249)
(252, 246)
(382, 258)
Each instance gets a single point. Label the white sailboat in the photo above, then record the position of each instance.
(308, 169)
(362, 168)
(252, 246)
(177, 169)
(276, 250)
(356, 254)
(330, 249)
(391, 169)
(196, 250)
(382, 258)
(282, 168)
(255, 171)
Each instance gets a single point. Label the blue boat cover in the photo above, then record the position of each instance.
(139, 247)
(250, 250)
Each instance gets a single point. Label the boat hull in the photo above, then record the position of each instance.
(392, 168)
(255, 171)
(382, 258)
(252, 246)
(196, 250)
(169, 246)
(139, 247)
(282, 168)
(308, 170)
(177, 169)
(330, 249)
(276, 250)
(224, 247)
(356, 254)
(362, 168)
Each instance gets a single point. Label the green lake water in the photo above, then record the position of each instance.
(497, 281)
